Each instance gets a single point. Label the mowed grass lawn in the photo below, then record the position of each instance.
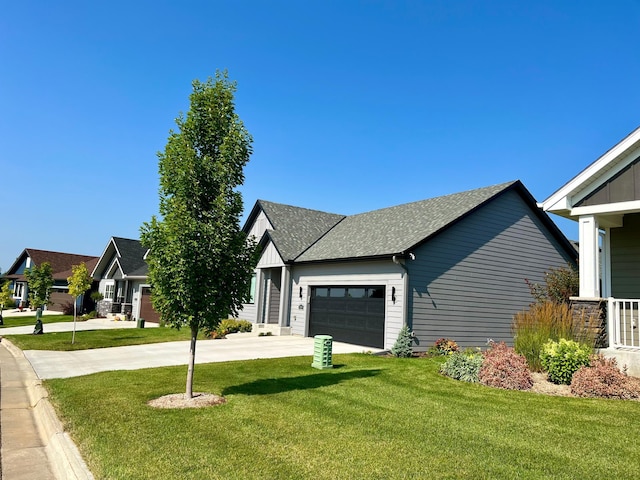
(89, 339)
(31, 320)
(371, 417)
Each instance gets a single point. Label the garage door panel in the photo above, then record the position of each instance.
(352, 315)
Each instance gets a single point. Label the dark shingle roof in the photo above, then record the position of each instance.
(131, 257)
(295, 228)
(61, 263)
(396, 229)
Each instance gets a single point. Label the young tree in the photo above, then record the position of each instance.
(6, 295)
(200, 261)
(40, 281)
(79, 283)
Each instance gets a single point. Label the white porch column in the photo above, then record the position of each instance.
(285, 295)
(589, 257)
(606, 264)
(259, 297)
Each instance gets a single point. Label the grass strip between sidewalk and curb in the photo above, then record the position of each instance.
(370, 417)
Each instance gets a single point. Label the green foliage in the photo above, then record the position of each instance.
(463, 366)
(6, 296)
(546, 321)
(79, 281)
(96, 296)
(40, 281)
(230, 325)
(559, 284)
(603, 379)
(403, 347)
(563, 358)
(444, 346)
(200, 262)
(504, 368)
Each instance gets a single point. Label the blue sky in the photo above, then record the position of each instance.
(353, 105)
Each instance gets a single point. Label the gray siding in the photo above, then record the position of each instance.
(468, 281)
(623, 187)
(625, 258)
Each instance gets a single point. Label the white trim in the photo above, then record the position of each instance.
(589, 256)
(606, 263)
(625, 147)
(619, 207)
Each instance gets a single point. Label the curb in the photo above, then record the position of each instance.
(65, 459)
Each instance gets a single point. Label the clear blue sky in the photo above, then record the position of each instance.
(353, 105)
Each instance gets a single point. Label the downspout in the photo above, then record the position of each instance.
(405, 287)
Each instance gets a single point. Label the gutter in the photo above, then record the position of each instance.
(405, 278)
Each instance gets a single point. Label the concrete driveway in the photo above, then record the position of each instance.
(48, 364)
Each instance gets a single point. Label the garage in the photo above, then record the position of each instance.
(350, 314)
(146, 308)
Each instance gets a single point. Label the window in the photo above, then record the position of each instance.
(252, 291)
(109, 291)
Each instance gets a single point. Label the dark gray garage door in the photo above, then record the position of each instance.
(348, 314)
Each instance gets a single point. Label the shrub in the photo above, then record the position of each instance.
(559, 285)
(463, 366)
(403, 346)
(563, 358)
(504, 368)
(230, 325)
(444, 346)
(603, 379)
(67, 308)
(546, 321)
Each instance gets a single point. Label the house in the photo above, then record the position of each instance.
(453, 266)
(121, 273)
(604, 199)
(61, 264)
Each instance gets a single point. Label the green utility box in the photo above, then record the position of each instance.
(140, 323)
(322, 346)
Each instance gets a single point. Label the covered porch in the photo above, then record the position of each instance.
(605, 201)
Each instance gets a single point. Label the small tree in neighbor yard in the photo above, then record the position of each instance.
(79, 283)
(6, 295)
(200, 261)
(40, 281)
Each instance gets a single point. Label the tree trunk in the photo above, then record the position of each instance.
(75, 314)
(192, 361)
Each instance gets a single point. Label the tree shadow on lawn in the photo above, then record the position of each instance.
(303, 382)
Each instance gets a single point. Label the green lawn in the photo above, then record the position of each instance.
(373, 417)
(89, 339)
(31, 320)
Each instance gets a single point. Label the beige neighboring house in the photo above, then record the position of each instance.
(604, 199)
(61, 264)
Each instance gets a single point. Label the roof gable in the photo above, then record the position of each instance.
(128, 254)
(596, 175)
(60, 262)
(294, 228)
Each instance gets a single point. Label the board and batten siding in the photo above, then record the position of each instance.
(468, 281)
(383, 272)
(269, 258)
(260, 225)
(625, 258)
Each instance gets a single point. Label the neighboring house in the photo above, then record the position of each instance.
(605, 199)
(121, 273)
(452, 266)
(61, 264)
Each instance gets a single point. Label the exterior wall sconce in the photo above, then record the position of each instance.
(300, 292)
(393, 294)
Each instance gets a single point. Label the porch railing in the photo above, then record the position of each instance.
(623, 322)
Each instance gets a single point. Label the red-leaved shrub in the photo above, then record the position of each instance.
(603, 379)
(504, 368)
